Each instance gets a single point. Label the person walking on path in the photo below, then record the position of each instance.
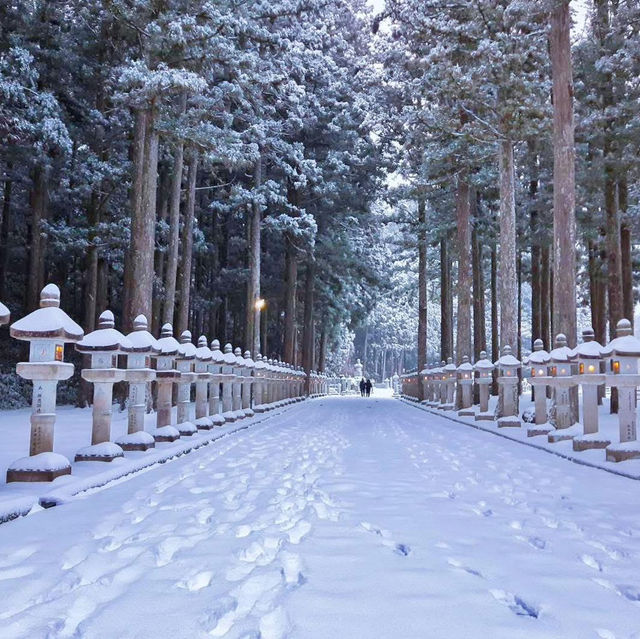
(368, 386)
(363, 387)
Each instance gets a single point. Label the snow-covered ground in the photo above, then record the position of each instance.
(345, 518)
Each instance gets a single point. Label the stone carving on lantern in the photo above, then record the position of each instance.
(166, 377)
(465, 384)
(484, 369)
(247, 384)
(508, 366)
(229, 362)
(47, 330)
(561, 381)
(538, 363)
(203, 379)
(185, 361)
(139, 375)
(103, 346)
(589, 358)
(623, 353)
(217, 377)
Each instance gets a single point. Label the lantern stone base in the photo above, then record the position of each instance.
(249, 412)
(229, 416)
(623, 452)
(41, 467)
(539, 429)
(485, 417)
(563, 434)
(217, 420)
(186, 429)
(204, 423)
(466, 412)
(104, 452)
(589, 442)
(136, 441)
(259, 408)
(446, 406)
(509, 421)
(166, 434)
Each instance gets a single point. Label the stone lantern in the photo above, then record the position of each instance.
(47, 330)
(269, 388)
(424, 380)
(395, 381)
(484, 369)
(203, 378)
(561, 380)
(443, 375)
(589, 356)
(229, 361)
(103, 345)
(238, 370)
(166, 377)
(185, 361)
(508, 367)
(5, 315)
(539, 376)
(465, 384)
(623, 353)
(258, 384)
(247, 384)
(358, 370)
(138, 375)
(217, 377)
(450, 374)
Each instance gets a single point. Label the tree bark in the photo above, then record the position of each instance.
(495, 337)
(187, 246)
(308, 342)
(625, 249)
(39, 207)
(446, 323)
(564, 224)
(291, 285)
(5, 228)
(463, 329)
(536, 302)
(252, 332)
(545, 296)
(422, 284)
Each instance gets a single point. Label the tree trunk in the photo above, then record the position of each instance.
(187, 246)
(322, 356)
(139, 283)
(536, 302)
(171, 270)
(291, 285)
(308, 341)
(39, 206)
(625, 248)
(446, 323)
(252, 332)
(422, 285)
(495, 344)
(463, 330)
(5, 230)
(545, 296)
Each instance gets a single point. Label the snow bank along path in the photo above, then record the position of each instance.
(345, 517)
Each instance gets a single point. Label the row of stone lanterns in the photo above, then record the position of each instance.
(561, 370)
(248, 386)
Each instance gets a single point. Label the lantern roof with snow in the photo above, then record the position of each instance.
(539, 355)
(141, 339)
(186, 348)
(203, 352)
(169, 345)
(248, 362)
(466, 364)
(47, 322)
(484, 363)
(217, 356)
(626, 344)
(105, 338)
(507, 359)
(589, 349)
(228, 356)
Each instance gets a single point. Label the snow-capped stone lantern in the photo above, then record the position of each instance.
(215, 368)
(247, 384)
(358, 370)
(166, 377)
(623, 353)
(450, 374)
(238, 371)
(103, 345)
(465, 384)
(5, 315)
(561, 380)
(138, 375)
(538, 378)
(426, 388)
(508, 366)
(270, 385)
(395, 381)
(589, 356)
(258, 384)
(443, 375)
(484, 369)
(47, 330)
(228, 377)
(203, 378)
(185, 361)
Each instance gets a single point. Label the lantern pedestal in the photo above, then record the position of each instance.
(466, 389)
(103, 452)
(623, 452)
(137, 438)
(40, 467)
(542, 425)
(509, 417)
(628, 447)
(185, 427)
(164, 382)
(590, 437)
(563, 430)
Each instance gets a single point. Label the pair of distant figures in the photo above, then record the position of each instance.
(365, 387)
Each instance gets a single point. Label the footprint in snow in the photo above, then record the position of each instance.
(515, 603)
(592, 562)
(458, 564)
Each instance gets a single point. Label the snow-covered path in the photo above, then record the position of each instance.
(345, 518)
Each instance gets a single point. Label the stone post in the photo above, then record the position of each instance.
(539, 363)
(561, 381)
(247, 384)
(103, 345)
(465, 383)
(228, 383)
(203, 380)
(166, 377)
(236, 392)
(47, 329)
(184, 365)
(508, 367)
(138, 375)
(217, 377)
(484, 369)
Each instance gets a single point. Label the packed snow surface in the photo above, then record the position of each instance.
(346, 518)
